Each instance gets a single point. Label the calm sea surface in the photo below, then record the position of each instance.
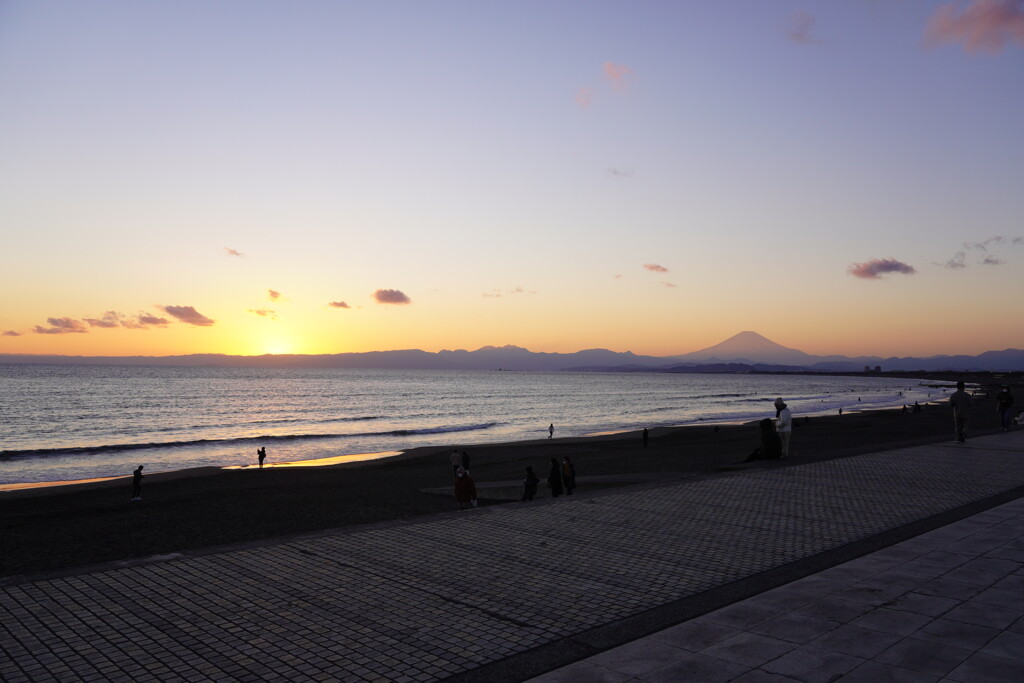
(65, 422)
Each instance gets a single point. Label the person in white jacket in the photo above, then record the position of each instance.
(783, 424)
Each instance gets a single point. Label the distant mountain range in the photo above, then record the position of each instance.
(744, 352)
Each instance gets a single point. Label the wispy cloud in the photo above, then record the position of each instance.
(497, 293)
(10, 333)
(264, 313)
(668, 284)
(982, 26)
(188, 314)
(62, 326)
(800, 26)
(233, 252)
(992, 261)
(620, 172)
(956, 261)
(338, 304)
(655, 268)
(619, 75)
(874, 269)
(585, 97)
(391, 296)
(273, 295)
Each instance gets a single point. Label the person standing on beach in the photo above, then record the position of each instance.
(568, 475)
(551, 430)
(530, 484)
(465, 461)
(783, 425)
(261, 453)
(1004, 404)
(645, 437)
(555, 479)
(961, 403)
(465, 489)
(137, 483)
(456, 460)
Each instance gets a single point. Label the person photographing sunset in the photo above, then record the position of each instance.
(783, 425)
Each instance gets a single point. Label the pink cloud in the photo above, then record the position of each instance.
(264, 313)
(391, 296)
(188, 314)
(338, 304)
(10, 333)
(233, 252)
(801, 24)
(146, 320)
(62, 326)
(584, 96)
(655, 268)
(109, 319)
(619, 75)
(273, 295)
(982, 26)
(873, 269)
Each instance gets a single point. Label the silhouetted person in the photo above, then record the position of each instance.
(645, 437)
(137, 483)
(555, 479)
(1004, 404)
(771, 446)
(530, 484)
(917, 407)
(456, 460)
(568, 475)
(551, 430)
(465, 461)
(465, 489)
(261, 453)
(961, 403)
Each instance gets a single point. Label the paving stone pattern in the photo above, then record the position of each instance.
(425, 600)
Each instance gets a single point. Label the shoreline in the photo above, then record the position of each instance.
(85, 523)
(6, 489)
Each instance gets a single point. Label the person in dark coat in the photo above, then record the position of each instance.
(568, 475)
(555, 479)
(1004, 404)
(530, 484)
(465, 489)
(771, 445)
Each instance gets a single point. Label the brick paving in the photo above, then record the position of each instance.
(459, 595)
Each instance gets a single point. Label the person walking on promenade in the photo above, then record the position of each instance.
(783, 425)
(551, 430)
(456, 460)
(137, 483)
(961, 403)
(568, 475)
(645, 437)
(465, 489)
(261, 453)
(1004, 404)
(530, 484)
(555, 479)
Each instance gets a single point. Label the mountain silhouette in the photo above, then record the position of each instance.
(749, 347)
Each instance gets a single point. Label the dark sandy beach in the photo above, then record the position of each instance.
(57, 528)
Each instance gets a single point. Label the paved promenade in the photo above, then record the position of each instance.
(508, 592)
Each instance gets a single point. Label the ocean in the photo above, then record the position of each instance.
(69, 422)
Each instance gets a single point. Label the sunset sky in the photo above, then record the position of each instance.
(252, 177)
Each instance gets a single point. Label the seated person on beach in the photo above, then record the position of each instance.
(771, 445)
